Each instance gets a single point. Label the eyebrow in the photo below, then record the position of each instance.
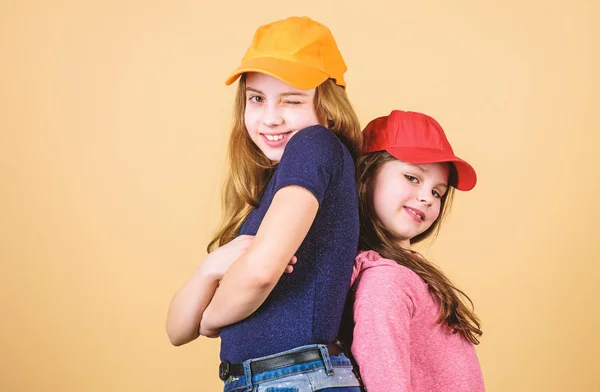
(445, 185)
(417, 166)
(287, 94)
(422, 168)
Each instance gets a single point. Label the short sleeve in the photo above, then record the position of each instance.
(312, 159)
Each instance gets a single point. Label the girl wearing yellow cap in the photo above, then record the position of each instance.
(290, 205)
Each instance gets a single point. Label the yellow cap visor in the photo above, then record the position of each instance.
(294, 74)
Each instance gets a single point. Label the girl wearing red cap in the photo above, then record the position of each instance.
(407, 326)
(290, 203)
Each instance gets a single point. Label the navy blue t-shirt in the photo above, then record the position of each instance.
(305, 307)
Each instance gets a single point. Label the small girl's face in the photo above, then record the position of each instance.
(407, 197)
(275, 111)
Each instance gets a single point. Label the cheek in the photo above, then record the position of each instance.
(302, 118)
(382, 200)
(435, 211)
(246, 118)
(251, 116)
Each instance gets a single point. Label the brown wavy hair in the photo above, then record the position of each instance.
(250, 170)
(374, 236)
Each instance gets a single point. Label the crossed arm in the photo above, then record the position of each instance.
(199, 308)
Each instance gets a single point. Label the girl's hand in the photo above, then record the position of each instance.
(209, 334)
(218, 261)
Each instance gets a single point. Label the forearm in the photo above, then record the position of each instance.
(241, 292)
(252, 277)
(188, 306)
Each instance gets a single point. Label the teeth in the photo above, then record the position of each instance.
(274, 137)
(415, 214)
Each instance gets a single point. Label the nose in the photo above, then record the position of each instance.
(272, 116)
(424, 196)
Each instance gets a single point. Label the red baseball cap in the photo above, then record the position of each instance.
(416, 138)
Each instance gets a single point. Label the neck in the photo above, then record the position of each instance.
(404, 244)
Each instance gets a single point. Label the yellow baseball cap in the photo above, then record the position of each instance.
(296, 50)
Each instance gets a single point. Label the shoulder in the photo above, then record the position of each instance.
(384, 286)
(313, 159)
(314, 153)
(313, 134)
(371, 266)
(315, 140)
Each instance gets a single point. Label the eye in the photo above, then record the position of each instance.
(293, 102)
(436, 194)
(256, 99)
(412, 179)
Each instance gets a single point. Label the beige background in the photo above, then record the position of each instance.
(113, 124)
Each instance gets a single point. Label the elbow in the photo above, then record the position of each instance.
(264, 283)
(179, 336)
(176, 341)
(259, 276)
(263, 280)
(174, 338)
(180, 339)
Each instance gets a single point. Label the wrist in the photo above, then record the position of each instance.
(209, 271)
(206, 330)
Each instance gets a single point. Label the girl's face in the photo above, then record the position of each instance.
(407, 197)
(275, 111)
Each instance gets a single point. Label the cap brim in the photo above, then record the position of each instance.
(467, 178)
(294, 74)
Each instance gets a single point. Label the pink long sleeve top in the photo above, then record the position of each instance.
(398, 343)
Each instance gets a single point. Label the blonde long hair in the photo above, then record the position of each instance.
(250, 170)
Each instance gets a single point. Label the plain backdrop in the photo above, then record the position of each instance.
(114, 118)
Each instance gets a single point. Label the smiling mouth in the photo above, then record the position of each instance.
(419, 215)
(275, 138)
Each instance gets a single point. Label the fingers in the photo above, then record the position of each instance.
(210, 334)
(290, 267)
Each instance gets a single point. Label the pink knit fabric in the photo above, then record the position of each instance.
(398, 344)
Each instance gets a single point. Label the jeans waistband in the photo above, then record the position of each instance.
(277, 361)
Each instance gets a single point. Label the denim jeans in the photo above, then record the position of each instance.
(333, 374)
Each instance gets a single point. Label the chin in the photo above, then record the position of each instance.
(274, 157)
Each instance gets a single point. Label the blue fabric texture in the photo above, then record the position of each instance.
(305, 307)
